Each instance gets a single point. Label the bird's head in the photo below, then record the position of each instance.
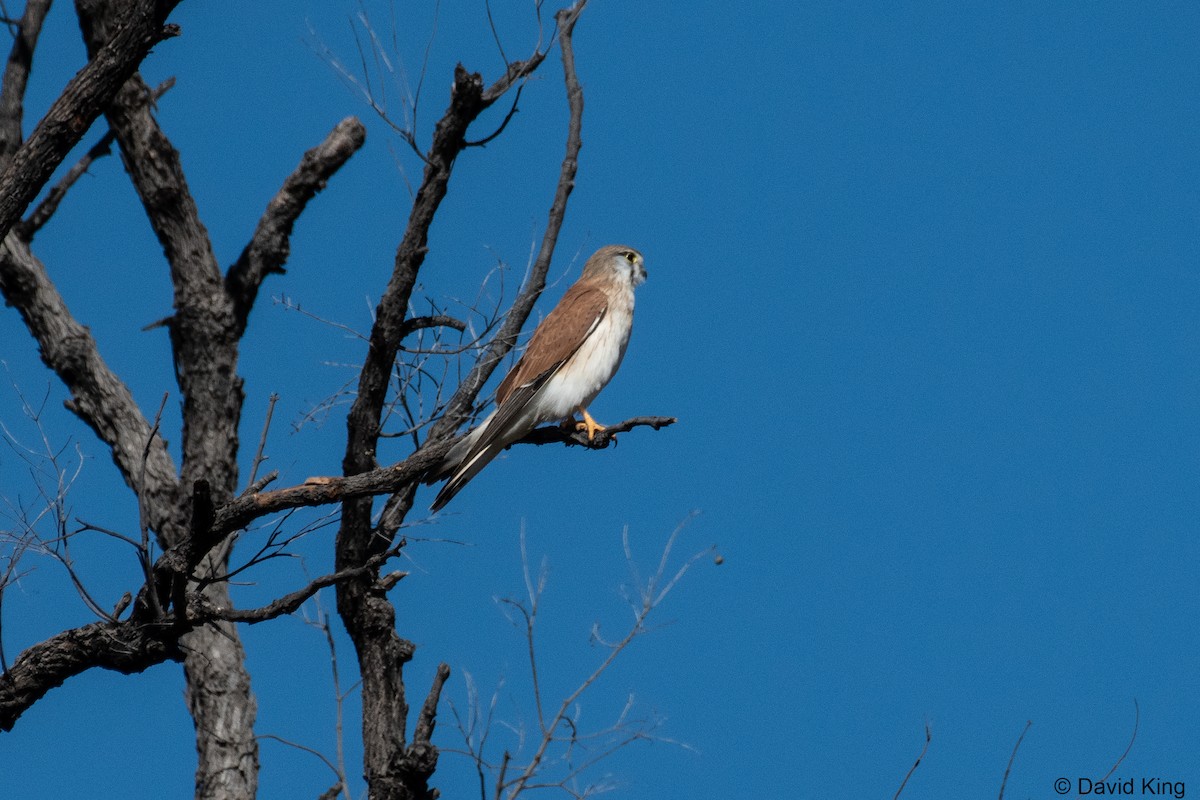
(616, 261)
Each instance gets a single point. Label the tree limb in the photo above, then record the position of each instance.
(126, 647)
(558, 434)
(204, 341)
(138, 643)
(98, 396)
(269, 248)
(467, 393)
(140, 26)
(290, 602)
(319, 491)
(40, 215)
(16, 77)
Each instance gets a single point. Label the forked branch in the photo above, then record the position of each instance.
(140, 26)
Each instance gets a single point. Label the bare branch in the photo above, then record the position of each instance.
(558, 434)
(423, 732)
(28, 227)
(262, 439)
(144, 552)
(16, 76)
(98, 396)
(204, 338)
(917, 763)
(1013, 757)
(333, 791)
(1137, 717)
(339, 697)
(261, 483)
(291, 601)
(323, 490)
(156, 171)
(458, 408)
(495, 34)
(466, 104)
(388, 762)
(205, 352)
(139, 26)
(512, 112)
(88, 526)
(126, 647)
(413, 324)
(651, 597)
(269, 248)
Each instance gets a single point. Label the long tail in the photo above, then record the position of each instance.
(465, 472)
(514, 417)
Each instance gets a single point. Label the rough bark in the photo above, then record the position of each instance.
(16, 76)
(105, 404)
(205, 349)
(210, 316)
(126, 647)
(139, 25)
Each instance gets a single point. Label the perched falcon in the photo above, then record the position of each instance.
(573, 354)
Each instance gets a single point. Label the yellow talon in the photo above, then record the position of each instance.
(588, 424)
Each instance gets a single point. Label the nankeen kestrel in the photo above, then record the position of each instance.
(572, 356)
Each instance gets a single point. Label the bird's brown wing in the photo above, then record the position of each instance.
(553, 343)
(558, 337)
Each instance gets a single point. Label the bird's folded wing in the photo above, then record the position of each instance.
(518, 399)
(562, 332)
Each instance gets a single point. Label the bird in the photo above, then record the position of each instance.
(572, 355)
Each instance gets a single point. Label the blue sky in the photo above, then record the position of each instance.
(924, 282)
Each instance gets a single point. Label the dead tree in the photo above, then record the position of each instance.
(190, 512)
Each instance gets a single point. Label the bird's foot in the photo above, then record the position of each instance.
(590, 425)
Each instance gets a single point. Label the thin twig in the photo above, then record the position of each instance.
(651, 599)
(512, 111)
(339, 698)
(1013, 757)
(262, 439)
(1137, 716)
(291, 601)
(145, 555)
(88, 526)
(339, 705)
(304, 748)
(917, 763)
(495, 34)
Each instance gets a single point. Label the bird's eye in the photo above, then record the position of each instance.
(630, 256)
